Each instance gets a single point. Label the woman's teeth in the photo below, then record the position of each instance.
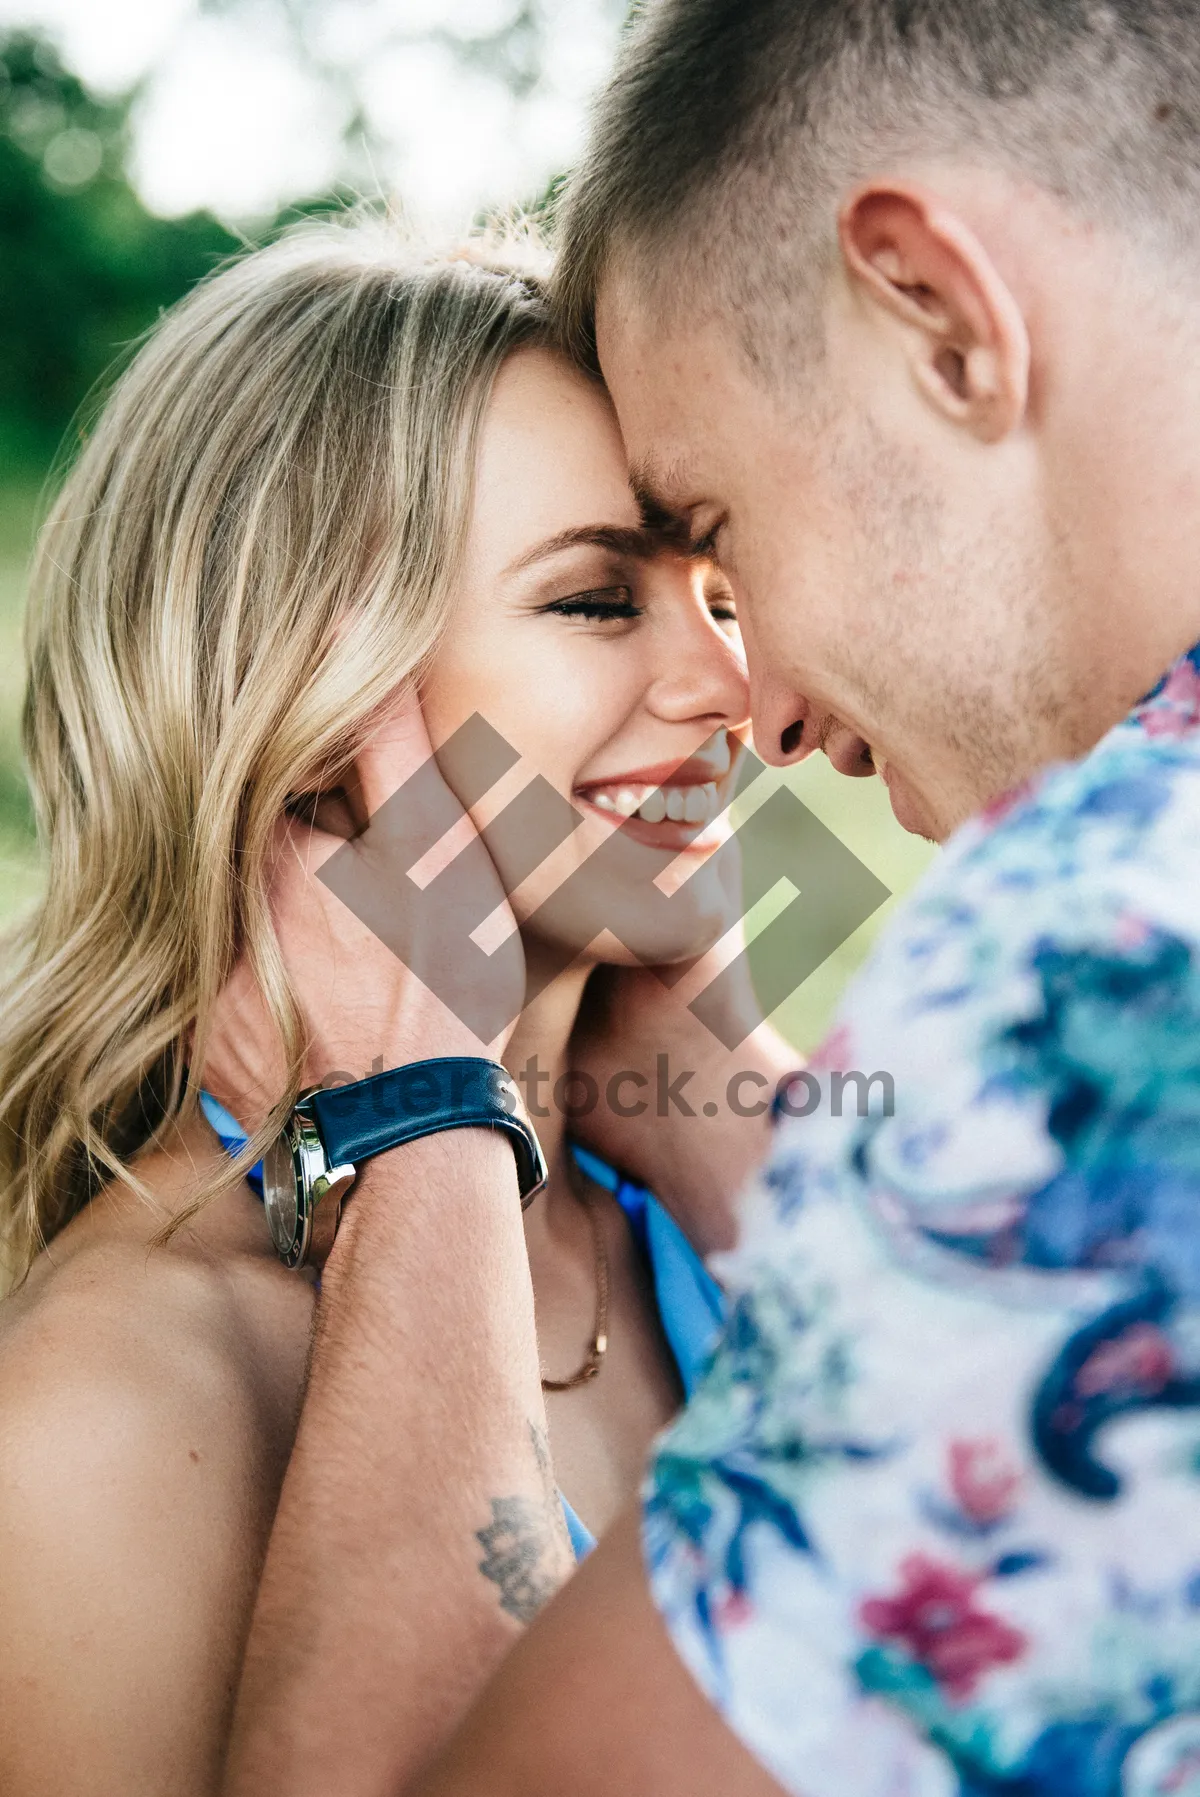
(656, 804)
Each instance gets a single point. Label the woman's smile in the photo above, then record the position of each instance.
(675, 807)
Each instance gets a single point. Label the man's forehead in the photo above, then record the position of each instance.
(664, 487)
(624, 308)
(647, 336)
(641, 361)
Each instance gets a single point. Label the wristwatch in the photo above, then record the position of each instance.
(309, 1170)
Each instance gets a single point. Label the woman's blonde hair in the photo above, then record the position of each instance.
(253, 550)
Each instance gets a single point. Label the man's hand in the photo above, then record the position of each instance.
(678, 1110)
(378, 969)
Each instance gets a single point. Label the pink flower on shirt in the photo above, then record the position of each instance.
(984, 1484)
(1175, 711)
(1006, 802)
(733, 1609)
(934, 1618)
(1140, 1359)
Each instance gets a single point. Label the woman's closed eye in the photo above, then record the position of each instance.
(598, 605)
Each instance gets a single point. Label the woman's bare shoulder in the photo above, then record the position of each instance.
(148, 1399)
(185, 1334)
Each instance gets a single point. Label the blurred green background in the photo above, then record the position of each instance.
(85, 267)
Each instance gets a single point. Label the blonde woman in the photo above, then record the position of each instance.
(332, 478)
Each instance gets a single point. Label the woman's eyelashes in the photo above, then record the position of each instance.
(617, 604)
(598, 605)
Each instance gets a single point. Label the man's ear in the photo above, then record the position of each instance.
(910, 256)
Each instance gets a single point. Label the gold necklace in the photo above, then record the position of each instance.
(598, 1348)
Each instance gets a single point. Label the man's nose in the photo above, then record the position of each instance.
(784, 723)
(788, 728)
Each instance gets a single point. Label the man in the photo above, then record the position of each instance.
(898, 304)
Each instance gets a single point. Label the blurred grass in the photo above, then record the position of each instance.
(857, 811)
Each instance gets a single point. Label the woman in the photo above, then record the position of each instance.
(330, 476)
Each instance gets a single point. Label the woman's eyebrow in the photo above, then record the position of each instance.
(619, 539)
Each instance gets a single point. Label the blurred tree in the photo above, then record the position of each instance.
(84, 267)
(510, 45)
(513, 42)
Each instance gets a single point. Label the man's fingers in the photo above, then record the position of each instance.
(399, 752)
(354, 921)
(396, 749)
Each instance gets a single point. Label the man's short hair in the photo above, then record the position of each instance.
(730, 128)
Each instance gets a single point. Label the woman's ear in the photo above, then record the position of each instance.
(341, 799)
(332, 800)
(911, 259)
(334, 810)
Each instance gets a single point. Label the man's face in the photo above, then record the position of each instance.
(891, 571)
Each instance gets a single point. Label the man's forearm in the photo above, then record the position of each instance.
(418, 1525)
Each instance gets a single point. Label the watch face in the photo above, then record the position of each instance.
(280, 1199)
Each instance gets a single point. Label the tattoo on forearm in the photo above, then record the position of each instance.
(515, 1547)
(526, 1551)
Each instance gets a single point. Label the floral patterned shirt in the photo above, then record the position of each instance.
(931, 1525)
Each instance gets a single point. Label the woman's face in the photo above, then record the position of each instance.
(614, 671)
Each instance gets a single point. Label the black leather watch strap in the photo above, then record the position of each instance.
(372, 1115)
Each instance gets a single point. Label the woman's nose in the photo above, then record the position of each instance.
(701, 674)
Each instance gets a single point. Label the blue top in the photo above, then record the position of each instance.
(691, 1306)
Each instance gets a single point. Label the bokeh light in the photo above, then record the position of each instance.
(449, 107)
